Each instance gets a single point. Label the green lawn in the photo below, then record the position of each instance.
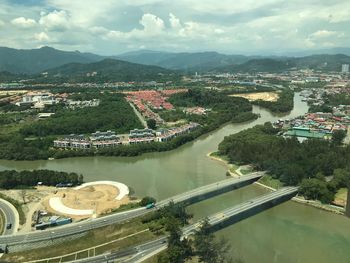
(91, 239)
(271, 182)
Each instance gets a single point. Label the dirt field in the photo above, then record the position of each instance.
(266, 96)
(100, 198)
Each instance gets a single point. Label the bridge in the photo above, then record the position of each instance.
(36, 239)
(217, 221)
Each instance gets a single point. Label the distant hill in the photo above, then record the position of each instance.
(199, 61)
(32, 61)
(108, 70)
(279, 64)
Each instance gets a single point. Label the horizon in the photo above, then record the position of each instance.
(106, 27)
(295, 53)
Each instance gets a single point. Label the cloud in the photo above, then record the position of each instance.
(111, 26)
(151, 23)
(174, 21)
(41, 37)
(2, 23)
(325, 34)
(55, 21)
(22, 22)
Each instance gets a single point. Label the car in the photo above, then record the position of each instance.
(8, 226)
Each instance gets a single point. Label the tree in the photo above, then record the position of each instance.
(338, 137)
(316, 189)
(207, 248)
(147, 200)
(151, 123)
(178, 250)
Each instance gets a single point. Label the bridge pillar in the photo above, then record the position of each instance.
(347, 208)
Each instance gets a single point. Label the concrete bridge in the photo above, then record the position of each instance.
(217, 221)
(36, 239)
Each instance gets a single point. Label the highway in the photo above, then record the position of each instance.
(11, 216)
(140, 252)
(26, 241)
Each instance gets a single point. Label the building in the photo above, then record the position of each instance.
(96, 140)
(345, 68)
(141, 136)
(104, 139)
(73, 141)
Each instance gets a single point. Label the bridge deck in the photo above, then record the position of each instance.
(26, 241)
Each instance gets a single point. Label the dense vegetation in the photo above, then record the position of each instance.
(34, 140)
(223, 108)
(293, 163)
(113, 113)
(283, 104)
(14, 179)
(171, 219)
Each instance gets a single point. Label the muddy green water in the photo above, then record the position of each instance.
(290, 232)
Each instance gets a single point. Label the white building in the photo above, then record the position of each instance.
(345, 68)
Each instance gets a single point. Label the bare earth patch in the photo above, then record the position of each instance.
(266, 96)
(100, 198)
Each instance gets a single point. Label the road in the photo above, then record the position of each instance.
(141, 252)
(25, 241)
(11, 216)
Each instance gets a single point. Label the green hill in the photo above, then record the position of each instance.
(108, 70)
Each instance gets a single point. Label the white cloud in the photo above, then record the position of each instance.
(151, 23)
(55, 21)
(174, 21)
(22, 22)
(41, 37)
(321, 34)
(2, 23)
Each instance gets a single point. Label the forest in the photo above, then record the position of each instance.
(113, 113)
(293, 163)
(283, 104)
(10, 179)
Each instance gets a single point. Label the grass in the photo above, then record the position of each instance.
(246, 171)
(18, 206)
(271, 182)
(2, 222)
(91, 239)
(341, 197)
(126, 207)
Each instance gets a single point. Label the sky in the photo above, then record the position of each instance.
(110, 27)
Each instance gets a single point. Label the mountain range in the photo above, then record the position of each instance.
(139, 64)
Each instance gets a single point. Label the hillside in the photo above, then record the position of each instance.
(279, 64)
(199, 61)
(108, 70)
(32, 61)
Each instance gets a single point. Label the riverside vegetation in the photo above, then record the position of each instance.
(34, 140)
(306, 164)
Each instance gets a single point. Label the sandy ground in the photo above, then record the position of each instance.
(99, 198)
(266, 96)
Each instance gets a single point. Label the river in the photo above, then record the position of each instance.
(290, 232)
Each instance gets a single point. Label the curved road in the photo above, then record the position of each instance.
(11, 216)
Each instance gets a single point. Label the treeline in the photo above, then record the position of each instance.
(223, 108)
(293, 163)
(330, 101)
(284, 103)
(113, 113)
(10, 179)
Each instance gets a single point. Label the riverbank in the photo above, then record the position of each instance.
(272, 185)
